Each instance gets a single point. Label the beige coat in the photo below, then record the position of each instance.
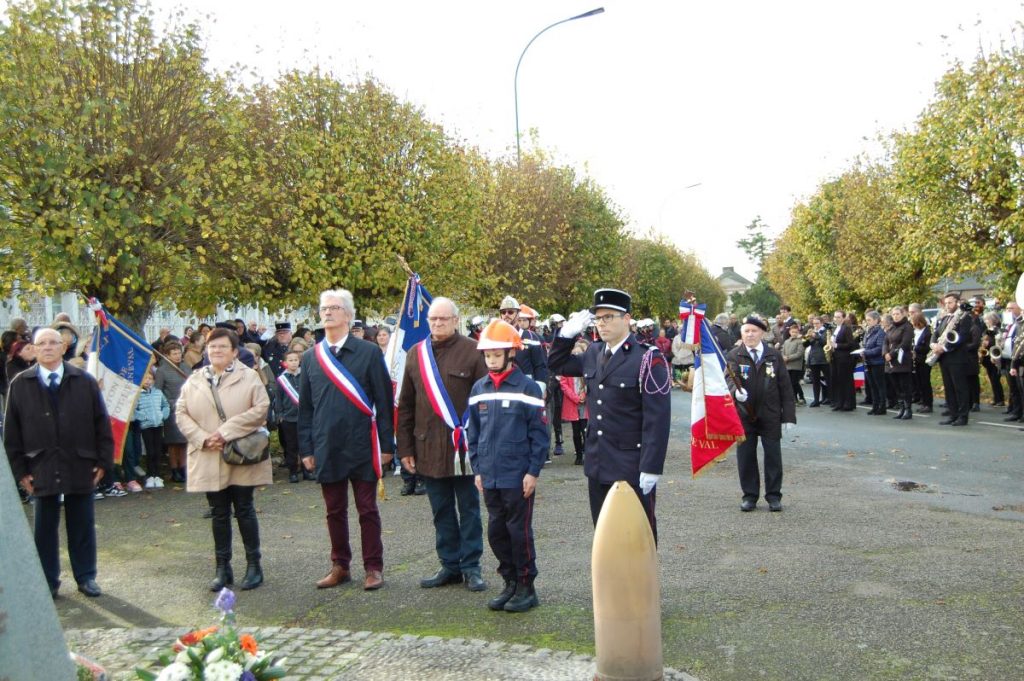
(245, 403)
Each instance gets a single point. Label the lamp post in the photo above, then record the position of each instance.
(591, 13)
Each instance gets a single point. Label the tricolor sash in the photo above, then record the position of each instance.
(288, 388)
(442, 403)
(344, 381)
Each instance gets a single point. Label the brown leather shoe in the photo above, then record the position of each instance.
(374, 580)
(337, 575)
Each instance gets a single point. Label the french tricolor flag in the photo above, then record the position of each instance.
(412, 327)
(714, 423)
(118, 359)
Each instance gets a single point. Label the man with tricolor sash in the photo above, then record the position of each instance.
(346, 432)
(439, 373)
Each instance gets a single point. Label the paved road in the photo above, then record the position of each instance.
(854, 580)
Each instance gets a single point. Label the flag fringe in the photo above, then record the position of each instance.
(706, 467)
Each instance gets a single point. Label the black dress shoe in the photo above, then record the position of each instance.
(748, 505)
(294, 477)
(947, 422)
(945, 412)
(976, 408)
(408, 487)
(924, 410)
(1012, 417)
(999, 404)
(962, 421)
(308, 475)
(814, 404)
(775, 505)
(208, 513)
(90, 588)
(442, 577)
(421, 488)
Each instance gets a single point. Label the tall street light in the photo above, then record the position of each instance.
(591, 13)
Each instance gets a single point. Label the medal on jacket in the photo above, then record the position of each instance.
(745, 371)
(344, 381)
(769, 369)
(442, 404)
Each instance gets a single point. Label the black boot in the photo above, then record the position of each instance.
(524, 599)
(579, 460)
(249, 528)
(225, 577)
(222, 550)
(499, 601)
(903, 411)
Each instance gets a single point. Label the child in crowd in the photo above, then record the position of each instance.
(508, 445)
(286, 406)
(574, 404)
(151, 410)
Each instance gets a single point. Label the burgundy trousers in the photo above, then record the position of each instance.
(336, 501)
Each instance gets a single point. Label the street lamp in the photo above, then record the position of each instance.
(591, 13)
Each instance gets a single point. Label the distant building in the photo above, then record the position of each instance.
(731, 283)
(968, 286)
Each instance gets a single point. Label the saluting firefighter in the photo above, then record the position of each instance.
(508, 443)
(629, 388)
(764, 400)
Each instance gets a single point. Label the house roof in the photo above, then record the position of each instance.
(729, 274)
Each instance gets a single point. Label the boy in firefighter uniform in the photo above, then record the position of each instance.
(508, 444)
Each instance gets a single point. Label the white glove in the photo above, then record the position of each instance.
(576, 324)
(648, 481)
(741, 395)
(788, 426)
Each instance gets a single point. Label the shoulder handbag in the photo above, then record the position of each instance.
(246, 450)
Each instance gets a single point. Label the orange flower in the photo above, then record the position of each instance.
(194, 637)
(248, 643)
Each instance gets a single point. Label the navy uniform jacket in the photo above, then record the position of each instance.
(331, 428)
(531, 358)
(770, 400)
(629, 424)
(506, 431)
(273, 355)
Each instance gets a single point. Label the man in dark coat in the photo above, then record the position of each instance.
(629, 397)
(954, 359)
(764, 400)
(426, 448)
(335, 434)
(58, 439)
(275, 349)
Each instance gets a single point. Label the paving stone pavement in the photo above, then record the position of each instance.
(325, 654)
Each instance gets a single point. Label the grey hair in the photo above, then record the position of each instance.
(992, 317)
(441, 300)
(915, 307)
(873, 314)
(46, 331)
(887, 318)
(722, 318)
(344, 297)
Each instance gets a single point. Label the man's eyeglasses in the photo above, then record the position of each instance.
(439, 320)
(605, 318)
(329, 308)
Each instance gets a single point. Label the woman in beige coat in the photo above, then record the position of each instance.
(245, 405)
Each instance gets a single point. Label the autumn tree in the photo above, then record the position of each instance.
(117, 146)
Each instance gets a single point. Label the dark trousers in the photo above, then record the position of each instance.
(750, 475)
(239, 498)
(510, 533)
(819, 381)
(923, 381)
(579, 436)
(80, 522)
(1014, 406)
(994, 380)
(598, 491)
(153, 441)
(336, 500)
(794, 378)
(555, 390)
(958, 392)
(842, 392)
(875, 374)
(974, 384)
(288, 433)
(458, 532)
(891, 392)
(132, 451)
(903, 384)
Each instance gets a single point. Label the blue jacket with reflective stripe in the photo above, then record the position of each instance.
(506, 430)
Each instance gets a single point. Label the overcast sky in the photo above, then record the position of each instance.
(755, 103)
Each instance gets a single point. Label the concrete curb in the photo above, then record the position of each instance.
(323, 654)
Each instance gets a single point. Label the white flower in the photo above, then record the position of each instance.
(222, 670)
(214, 655)
(183, 658)
(175, 671)
(251, 659)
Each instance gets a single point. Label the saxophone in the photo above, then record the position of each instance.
(949, 336)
